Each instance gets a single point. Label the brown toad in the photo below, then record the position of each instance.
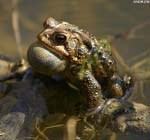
(64, 50)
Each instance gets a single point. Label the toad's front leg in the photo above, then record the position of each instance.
(94, 96)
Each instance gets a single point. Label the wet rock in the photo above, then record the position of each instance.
(10, 125)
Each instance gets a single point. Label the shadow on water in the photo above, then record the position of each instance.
(103, 18)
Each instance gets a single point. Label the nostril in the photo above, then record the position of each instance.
(47, 36)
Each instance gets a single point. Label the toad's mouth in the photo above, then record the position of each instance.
(59, 50)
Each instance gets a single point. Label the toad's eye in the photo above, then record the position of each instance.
(59, 38)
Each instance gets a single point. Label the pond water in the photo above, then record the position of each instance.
(103, 18)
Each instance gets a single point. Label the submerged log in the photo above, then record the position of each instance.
(137, 121)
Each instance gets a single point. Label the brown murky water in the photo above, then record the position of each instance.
(100, 17)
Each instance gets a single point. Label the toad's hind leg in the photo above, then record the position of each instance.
(92, 88)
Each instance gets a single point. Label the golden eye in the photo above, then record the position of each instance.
(59, 38)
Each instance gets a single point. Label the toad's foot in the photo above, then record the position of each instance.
(103, 114)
